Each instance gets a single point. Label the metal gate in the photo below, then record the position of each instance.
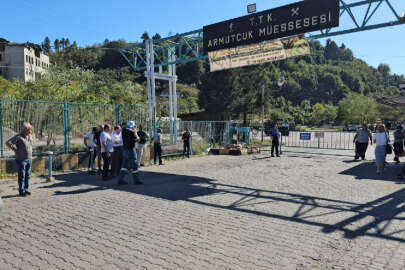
(320, 139)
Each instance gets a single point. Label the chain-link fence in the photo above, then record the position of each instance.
(61, 126)
(205, 135)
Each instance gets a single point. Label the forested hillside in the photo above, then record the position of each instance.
(330, 85)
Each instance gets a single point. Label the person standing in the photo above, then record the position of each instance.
(141, 147)
(89, 143)
(157, 146)
(129, 161)
(275, 135)
(186, 142)
(21, 145)
(380, 139)
(361, 139)
(107, 148)
(398, 142)
(117, 154)
(96, 140)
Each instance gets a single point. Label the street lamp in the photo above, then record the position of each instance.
(280, 83)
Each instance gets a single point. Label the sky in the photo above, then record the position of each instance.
(90, 21)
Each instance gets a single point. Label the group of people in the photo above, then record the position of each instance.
(124, 149)
(381, 139)
(121, 149)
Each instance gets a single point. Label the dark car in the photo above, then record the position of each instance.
(350, 128)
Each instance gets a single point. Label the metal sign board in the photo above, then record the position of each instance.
(254, 54)
(251, 8)
(293, 19)
(319, 134)
(305, 136)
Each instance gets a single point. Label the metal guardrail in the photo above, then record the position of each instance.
(339, 140)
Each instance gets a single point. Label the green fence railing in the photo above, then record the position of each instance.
(60, 126)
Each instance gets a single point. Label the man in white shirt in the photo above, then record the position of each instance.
(107, 148)
(89, 143)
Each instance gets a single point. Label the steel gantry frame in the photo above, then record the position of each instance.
(187, 47)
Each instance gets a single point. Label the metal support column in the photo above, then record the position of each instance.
(66, 126)
(174, 81)
(191, 139)
(263, 113)
(117, 114)
(1, 129)
(171, 118)
(151, 85)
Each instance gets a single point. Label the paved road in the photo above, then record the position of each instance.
(306, 210)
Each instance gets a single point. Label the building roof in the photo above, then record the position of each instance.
(394, 100)
(26, 44)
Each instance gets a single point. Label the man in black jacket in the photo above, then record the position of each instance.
(129, 158)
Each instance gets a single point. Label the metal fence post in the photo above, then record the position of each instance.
(191, 133)
(50, 177)
(1, 129)
(117, 114)
(230, 132)
(66, 126)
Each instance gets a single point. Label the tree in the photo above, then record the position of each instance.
(46, 46)
(358, 109)
(145, 36)
(384, 69)
(156, 37)
(67, 42)
(62, 43)
(318, 113)
(56, 44)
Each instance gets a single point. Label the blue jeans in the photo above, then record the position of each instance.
(129, 164)
(24, 173)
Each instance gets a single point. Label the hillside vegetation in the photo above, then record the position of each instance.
(330, 85)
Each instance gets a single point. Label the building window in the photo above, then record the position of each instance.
(0, 56)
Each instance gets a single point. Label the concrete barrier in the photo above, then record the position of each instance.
(61, 162)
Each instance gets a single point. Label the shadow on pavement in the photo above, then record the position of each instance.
(373, 219)
(367, 171)
(162, 185)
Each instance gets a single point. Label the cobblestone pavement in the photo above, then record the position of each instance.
(306, 210)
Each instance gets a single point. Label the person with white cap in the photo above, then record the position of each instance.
(129, 158)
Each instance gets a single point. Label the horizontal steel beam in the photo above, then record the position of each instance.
(354, 30)
(188, 46)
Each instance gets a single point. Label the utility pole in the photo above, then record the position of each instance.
(263, 113)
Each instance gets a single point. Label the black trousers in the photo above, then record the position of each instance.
(186, 148)
(361, 149)
(106, 164)
(275, 145)
(157, 148)
(116, 161)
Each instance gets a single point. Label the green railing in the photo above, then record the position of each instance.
(60, 126)
(205, 135)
